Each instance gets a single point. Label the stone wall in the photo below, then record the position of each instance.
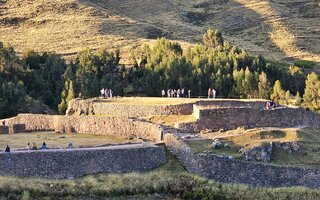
(88, 125)
(231, 118)
(216, 103)
(227, 170)
(78, 162)
(96, 107)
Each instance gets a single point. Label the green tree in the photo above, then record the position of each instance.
(287, 97)
(278, 94)
(264, 86)
(311, 96)
(213, 38)
(298, 99)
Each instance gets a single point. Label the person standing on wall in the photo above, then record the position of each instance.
(214, 92)
(209, 93)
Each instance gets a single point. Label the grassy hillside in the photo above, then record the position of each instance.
(278, 29)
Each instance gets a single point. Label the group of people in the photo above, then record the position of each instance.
(28, 147)
(271, 104)
(212, 93)
(179, 93)
(106, 93)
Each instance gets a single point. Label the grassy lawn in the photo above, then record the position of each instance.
(307, 138)
(57, 140)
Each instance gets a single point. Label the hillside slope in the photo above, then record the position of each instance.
(278, 29)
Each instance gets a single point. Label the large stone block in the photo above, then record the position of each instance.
(17, 128)
(4, 129)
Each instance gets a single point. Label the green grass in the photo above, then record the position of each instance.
(201, 146)
(57, 140)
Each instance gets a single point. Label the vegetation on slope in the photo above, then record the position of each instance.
(278, 29)
(215, 63)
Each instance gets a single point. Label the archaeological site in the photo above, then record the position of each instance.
(183, 127)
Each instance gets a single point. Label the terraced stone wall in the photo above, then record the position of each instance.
(233, 117)
(74, 163)
(94, 107)
(227, 170)
(89, 125)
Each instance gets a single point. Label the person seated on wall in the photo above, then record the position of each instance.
(267, 105)
(28, 146)
(7, 150)
(44, 146)
(34, 146)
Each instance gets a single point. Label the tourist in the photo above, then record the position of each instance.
(182, 92)
(44, 146)
(110, 93)
(106, 93)
(69, 145)
(102, 92)
(178, 93)
(7, 149)
(163, 93)
(28, 146)
(168, 93)
(189, 93)
(34, 146)
(209, 93)
(213, 93)
(267, 105)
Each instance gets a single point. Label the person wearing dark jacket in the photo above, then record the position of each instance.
(7, 149)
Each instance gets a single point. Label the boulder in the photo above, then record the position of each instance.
(216, 144)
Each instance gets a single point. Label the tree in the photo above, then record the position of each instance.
(311, 96)
(264, 86)
(298, 99)
(212, 38)
(287, 97)
(278, 94)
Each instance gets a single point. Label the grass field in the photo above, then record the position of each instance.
(280, 29)
(307, 138)
(57, 140)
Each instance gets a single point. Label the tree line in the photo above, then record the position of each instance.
(214, 63)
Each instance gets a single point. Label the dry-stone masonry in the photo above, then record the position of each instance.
(4, 129)
(89, 125)
(233, 117)
(228, 170)
(73, 163)
(98, 107)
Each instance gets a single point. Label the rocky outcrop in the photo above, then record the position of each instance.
(258, 153)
